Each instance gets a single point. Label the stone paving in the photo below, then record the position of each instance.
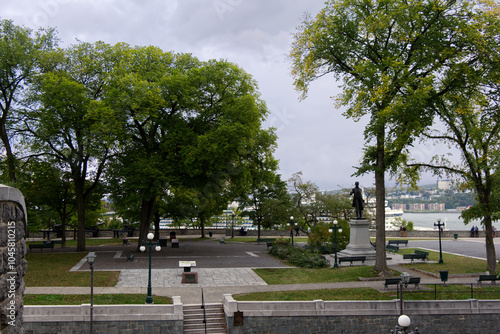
(207, 277)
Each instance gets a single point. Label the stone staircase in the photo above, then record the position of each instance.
(193, 319)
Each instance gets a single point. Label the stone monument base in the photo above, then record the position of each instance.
(359, 241)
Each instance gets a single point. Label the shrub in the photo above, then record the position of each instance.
(299, 257)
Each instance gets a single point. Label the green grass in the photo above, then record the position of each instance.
(455, 264)
(448, 292)
(309, 295)
(323, 275)
(104, 299)
(88, 242)
(52, 269)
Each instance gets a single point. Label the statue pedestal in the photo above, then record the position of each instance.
(359, 241)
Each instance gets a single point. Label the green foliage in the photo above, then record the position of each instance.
(296, 256)
(320, 235)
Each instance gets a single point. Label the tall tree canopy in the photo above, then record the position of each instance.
(390, 56)
(188, 128)
(66, 120)
(20, 50)
(469, 114)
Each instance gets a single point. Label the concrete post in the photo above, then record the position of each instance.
(13, 262)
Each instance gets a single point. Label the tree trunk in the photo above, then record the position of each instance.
(11, 165)
(147, 209)
(202, 225)
(157, 224)
(380, 260)
(80, 205)
(491, 258)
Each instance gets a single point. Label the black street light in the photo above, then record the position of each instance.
(439, 225)
(405, 279)
(291, 227)
(90, 260)
(232, 224)
(150, 243)
(335, 228)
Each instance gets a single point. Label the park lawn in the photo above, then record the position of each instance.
(52, 269)
(443, 292)
(99, 299)
(88, 242)
(454, 264)
(323, 275)
(309, 295)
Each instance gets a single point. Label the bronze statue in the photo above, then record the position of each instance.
(357, 200)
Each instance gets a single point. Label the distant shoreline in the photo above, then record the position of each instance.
(433, 211)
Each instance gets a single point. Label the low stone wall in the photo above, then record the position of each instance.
(106, 319)
(464, 316)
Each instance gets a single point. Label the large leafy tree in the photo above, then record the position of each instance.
(49, 194)
(471, 118)
(187, 128)
(20, 50)
(68, 121)
(223, 138)
(264, 182)
(389, 54)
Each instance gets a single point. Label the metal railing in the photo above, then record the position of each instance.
(452, 291)
(204, 309)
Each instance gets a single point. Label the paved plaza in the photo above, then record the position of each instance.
(227, 268)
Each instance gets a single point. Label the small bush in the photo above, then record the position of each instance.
(299, 257)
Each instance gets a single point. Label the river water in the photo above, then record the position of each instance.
(452, 219)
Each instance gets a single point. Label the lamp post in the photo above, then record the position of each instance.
(403, 324)
(335, 228)
(91, 259)
(150, 243)
(405, 279)
(291, 227)
(439, 225)
(232, 224)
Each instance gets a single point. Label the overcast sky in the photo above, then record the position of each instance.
(313, 135)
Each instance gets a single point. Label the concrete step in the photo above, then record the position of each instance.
(215, 319)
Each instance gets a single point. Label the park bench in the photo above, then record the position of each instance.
(492, 278)
(352, 259)
(130, 257)
(391, 281)
(397, 280)
(392, 248)
(414, 256)
(269, 241)
(43, 245)
(422, 252)
(398, 242)
(187, 265)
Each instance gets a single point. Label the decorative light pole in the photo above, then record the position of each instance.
(335, 228)
(439, 225)
(405, 279)
(91, 259)
(232, 224)
(291, 227)
(150, 243)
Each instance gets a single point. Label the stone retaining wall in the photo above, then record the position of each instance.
(318, 316)
(106, 319)
(464, 316)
